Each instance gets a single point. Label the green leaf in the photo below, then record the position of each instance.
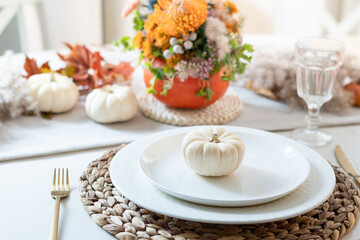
(206, 92)
(138, 22)
(151, 90)
(141, 57)
(152, 81)
(200, 93)
(234, 43)
(216, 68)
(156, 52)
(169, 70)
(152, 84)
(164, 91)
(248, 47)
(227, 78)
(116, 43)
(159, 73)
(148, 66)
(126, 42)
(246, 58)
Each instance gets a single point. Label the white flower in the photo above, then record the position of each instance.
(14, 99)
(216, 31)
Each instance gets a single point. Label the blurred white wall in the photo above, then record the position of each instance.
(114, 25)
(283, 17)
(71, 21)
(99, 21)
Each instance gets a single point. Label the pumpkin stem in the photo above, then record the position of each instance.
(52, 76)
(214, 138)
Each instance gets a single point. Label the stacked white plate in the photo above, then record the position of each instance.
(278, 179)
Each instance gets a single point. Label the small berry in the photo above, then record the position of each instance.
(167, 53)
(173, 41)
(178, 49)
(193, 36)
(188, 44)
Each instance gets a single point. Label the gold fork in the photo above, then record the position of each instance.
(58, 193)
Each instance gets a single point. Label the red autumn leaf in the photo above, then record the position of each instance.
(83, 78)
(99, 78)
(355, 89)
(123, 69)
(31, 67)
(96, 65)
(80, 56)
(89, 70)
(45, 68)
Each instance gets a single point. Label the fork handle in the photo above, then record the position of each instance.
(55, 220)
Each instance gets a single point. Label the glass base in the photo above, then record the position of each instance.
(311, 137)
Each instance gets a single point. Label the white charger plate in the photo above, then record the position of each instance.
(129, 180)
(270, 169)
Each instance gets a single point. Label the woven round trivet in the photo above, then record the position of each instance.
(222, 111)
(125, 220)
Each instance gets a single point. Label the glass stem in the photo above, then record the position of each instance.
(313, 118)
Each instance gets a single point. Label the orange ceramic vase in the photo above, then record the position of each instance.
(182, 94)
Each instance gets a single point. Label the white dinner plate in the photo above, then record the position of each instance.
(271, 168)
(129, 180)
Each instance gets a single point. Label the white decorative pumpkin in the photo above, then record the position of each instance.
(213, 151)
(54, 92)
(111, 103)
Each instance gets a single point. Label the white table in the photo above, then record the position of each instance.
(27, 206)
(25, 200)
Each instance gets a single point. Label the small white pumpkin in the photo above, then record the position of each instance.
(111, 103)
(213, 151)
(54, 92)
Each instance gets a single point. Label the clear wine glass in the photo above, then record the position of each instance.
(317, 64)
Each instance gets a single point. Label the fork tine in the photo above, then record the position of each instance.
(67, 179)
(62, 180)
(54, 180)
(58, 181)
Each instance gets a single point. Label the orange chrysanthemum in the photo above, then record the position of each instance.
(179, 17)
(173, 61)
(147, 48)
(165, 46)
(160, 37)
(232, 27)
(138, 40)
(231, 7)
(150, 23)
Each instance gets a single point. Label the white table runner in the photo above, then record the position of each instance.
(33, 136)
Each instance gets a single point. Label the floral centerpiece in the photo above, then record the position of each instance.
(191, 49)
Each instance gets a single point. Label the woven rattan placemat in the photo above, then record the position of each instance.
(222, 111)
(125, 220)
